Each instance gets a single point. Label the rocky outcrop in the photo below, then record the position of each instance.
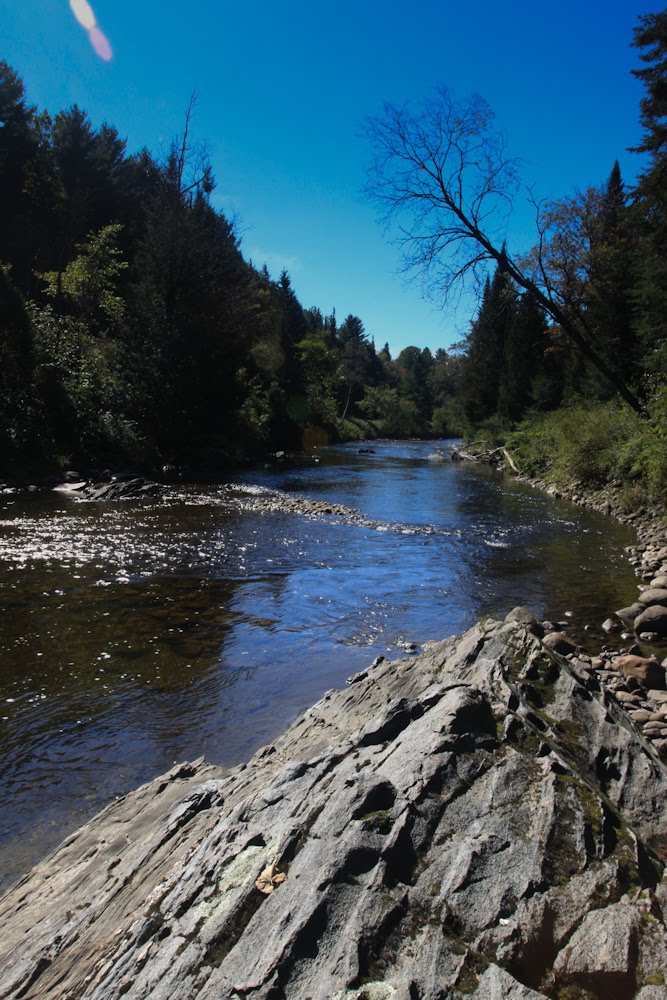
(476, 821)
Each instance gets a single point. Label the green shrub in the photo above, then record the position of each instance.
(598, 444)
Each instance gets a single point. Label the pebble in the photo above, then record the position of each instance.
(654, 727)
(604, 676)
(649, 557)
(641, 715)
(626, 698)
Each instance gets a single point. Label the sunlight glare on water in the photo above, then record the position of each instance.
(142, 632)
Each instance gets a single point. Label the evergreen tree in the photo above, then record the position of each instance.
(523, 358)
(650, 205)
(608, 303)
(485, 348)
(414, 367)
(18, 150)
(359, 363)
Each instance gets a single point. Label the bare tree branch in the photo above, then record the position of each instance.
(441, 179)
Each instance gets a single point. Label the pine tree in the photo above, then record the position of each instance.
(650, 206)
(18, 148)
(485, 349)
(523, 358)
(608, 306)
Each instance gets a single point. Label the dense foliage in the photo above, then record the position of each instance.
(134, 331)
(597, 445)
(611, 248)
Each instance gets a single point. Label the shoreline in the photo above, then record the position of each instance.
(649, 556)
(311, 869)
(633, 678)
(443, 824)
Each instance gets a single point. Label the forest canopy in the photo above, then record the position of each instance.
(133, 331)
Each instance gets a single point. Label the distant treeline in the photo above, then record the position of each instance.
(134, 331)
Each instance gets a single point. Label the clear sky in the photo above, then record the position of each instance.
(284, 88)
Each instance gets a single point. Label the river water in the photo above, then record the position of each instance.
(135, 634)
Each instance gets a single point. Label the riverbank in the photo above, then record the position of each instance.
(646, 515)
(649, 556)
(481, 820)
(603, 456)
(629, 667)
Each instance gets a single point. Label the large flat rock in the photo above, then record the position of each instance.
(473, 821)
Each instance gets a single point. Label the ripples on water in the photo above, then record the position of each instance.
(139, 633)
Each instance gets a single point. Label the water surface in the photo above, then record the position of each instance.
(136, 634)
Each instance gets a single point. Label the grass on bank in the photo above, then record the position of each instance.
(598, 445)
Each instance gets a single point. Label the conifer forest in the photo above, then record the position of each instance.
(134, 332)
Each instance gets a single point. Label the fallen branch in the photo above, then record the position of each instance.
(511, 461)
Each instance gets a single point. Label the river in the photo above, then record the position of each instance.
(136, 634)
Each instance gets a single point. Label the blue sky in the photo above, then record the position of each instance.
(283, 91)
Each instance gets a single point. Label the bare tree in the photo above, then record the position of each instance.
(440, 176)
(186, 158)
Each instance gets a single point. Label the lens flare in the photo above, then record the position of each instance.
(83, 12)
(85, 15)
(100, 43)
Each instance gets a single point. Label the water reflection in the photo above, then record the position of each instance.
(136, 634)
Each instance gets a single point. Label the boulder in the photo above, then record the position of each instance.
(654, 595)
(647, 672)
(602, 948)
(462, 823)
(642, 715)
(560, 643)
(525, 617)
(652, 619)
(627, 698)
(659, 583)
(628, 615)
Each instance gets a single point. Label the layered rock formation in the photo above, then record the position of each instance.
(478, 820)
